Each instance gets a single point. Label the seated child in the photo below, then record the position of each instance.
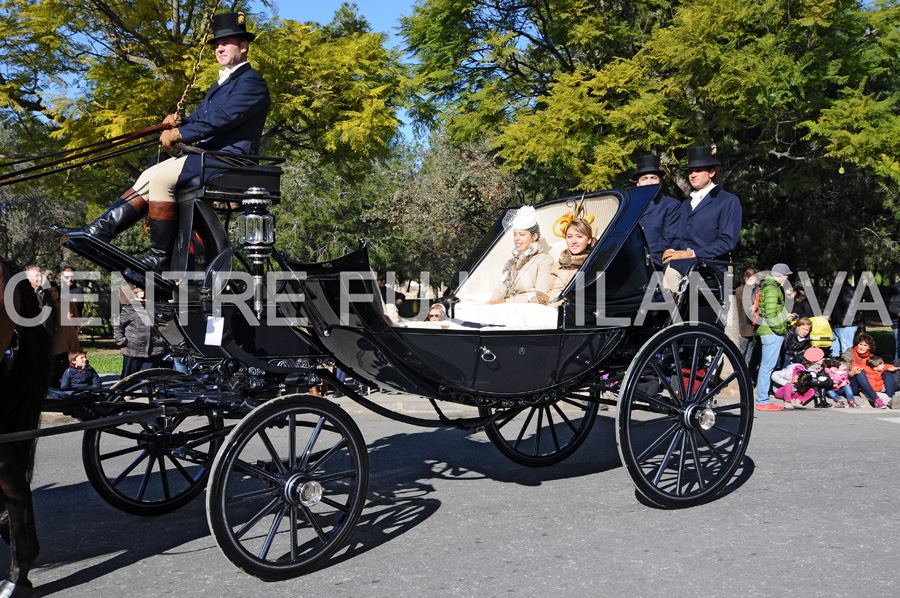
(796, 386)
(883, 385)
(813, 359)
(841, 394)
(79, 374)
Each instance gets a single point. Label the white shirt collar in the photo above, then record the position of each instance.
(225, 73)
(697, 196)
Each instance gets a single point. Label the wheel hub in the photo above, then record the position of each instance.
(300, 491)
(700, 416)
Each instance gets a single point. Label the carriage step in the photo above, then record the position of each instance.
(114, 259)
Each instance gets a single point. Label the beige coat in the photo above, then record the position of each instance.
(532, 284)
(559, 278)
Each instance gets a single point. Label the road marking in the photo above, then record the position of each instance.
(895, 420)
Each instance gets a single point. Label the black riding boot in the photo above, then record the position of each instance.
(121, 216)
(163, 230)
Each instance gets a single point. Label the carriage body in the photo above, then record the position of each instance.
(537, 375)
(545, 353)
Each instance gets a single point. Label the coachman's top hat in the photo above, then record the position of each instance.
(699, 157)
(230, 24)
(647, 165)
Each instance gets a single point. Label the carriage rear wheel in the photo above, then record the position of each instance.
(542, 435)
(684, 416)
(288, 487)
(154, 466)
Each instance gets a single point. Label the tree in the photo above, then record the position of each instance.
(800, 97)
(99, 69)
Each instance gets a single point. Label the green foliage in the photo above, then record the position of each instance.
(799, 95)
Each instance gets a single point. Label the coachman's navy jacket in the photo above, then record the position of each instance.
(712, 229)
(230, 118)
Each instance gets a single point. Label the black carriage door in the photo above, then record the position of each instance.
(520, 362)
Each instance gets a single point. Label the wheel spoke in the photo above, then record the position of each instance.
(682, 395)
(184, 472)
(146, 478)
(294, 530)
(320, 462)
(271, 506)
(272, 452)
(565, 419)
(698, 466)
(666, 381)
(582, 404)
(658, 420)
(333, 477)
(238, 498)
(665, 461)
(731, 433)
(655, 400)
(540, 429)
(313, 438)
(256, 472)
(164, 473)
(332, 503)
(711, 447)
(524, 428)
(121, 452)
(508, 417)
(130, 468)
(659, 441)
(681, 457)
(311, 519)
(552, 426)
(292, 446)
(273, 529)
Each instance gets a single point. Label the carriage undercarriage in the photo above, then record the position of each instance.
(286, 473)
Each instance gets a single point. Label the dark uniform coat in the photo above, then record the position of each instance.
(712, 229)
(660, 224)
(230, 118)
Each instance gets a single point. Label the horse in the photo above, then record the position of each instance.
(25, 366)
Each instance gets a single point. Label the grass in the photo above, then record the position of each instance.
(105, 363)
(103, 356)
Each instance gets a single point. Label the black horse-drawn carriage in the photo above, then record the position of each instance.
(286, 473)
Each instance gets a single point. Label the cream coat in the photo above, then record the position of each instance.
(532, 279)
(559, 278)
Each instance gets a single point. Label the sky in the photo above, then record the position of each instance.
(383, 15)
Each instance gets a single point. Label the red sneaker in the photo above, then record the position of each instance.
(768, 407)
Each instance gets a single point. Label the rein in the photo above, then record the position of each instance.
(116, 144)
(108, 148)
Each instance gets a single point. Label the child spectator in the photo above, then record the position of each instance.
(821, 383)
(856, 357)
(841, 394)
(796, 341)
(79, 374)
(883, 385)
(796, 389)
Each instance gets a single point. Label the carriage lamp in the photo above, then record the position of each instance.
(256, 225)
(256, 232)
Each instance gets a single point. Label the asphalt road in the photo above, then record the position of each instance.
(811, 513)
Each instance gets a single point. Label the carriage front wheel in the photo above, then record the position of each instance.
(288, 487)
(153, 466)
(684, 416)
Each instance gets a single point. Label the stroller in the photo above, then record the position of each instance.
(821, 336)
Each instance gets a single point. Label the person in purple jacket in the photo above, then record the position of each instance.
(660, 219)
(710, 221)
(230, 119)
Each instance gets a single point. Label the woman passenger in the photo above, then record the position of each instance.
(579, 243)
(525, 277)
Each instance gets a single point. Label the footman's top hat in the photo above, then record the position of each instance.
(647, 165)
(230, 24)
(699, 157)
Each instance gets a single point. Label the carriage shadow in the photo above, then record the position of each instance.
(404, 470)
(405, 466)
